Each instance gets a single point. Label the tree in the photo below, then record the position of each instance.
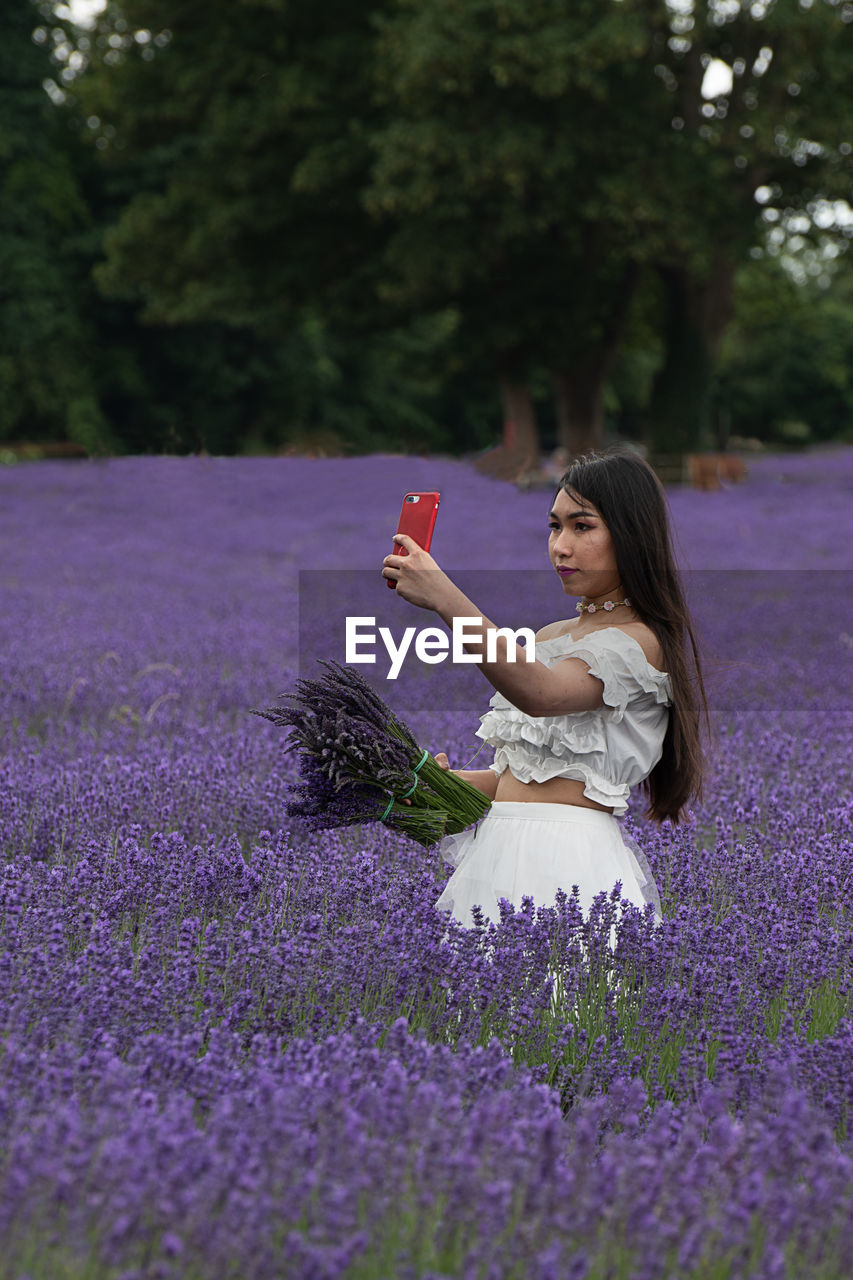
(237, 137)
(786, 365)
(46, 388)
(582, 145)
(519, 164)
(246, 123)
(255, 130)
(508, 170)
(781, 130)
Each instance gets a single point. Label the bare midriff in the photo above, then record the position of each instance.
(554, 791)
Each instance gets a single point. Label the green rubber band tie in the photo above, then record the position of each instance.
(388, 810)
(422, 760)
(406, 794)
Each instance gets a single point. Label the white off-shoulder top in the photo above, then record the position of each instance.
(610, 749)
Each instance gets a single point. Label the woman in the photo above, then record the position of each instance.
(612, 701)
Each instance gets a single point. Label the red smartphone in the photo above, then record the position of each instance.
(417, 519)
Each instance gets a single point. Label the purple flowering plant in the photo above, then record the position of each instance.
(233, 1045)
(359, 762)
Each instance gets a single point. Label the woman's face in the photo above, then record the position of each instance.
(581, 549)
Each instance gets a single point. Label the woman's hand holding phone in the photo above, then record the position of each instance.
(415, 574)
(417, 521)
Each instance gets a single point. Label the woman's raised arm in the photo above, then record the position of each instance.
(535, 689)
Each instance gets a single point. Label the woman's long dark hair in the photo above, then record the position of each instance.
(632, 504)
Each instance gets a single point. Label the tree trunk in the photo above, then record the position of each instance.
(697, 313)
(579, 388)
(579, 400)
(519, 448)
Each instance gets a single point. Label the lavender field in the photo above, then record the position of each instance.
(233, 1047)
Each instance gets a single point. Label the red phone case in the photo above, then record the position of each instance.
(417, 519)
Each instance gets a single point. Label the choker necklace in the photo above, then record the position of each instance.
(608, 605)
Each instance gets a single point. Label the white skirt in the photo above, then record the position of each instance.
(523, 848)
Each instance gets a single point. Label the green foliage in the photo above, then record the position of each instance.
(208, 386)
(533, 154)
(247, 124)
(781, 128)
(270, 223)
(787, 361)
(507, 170)
(232, 141)
(46, 384)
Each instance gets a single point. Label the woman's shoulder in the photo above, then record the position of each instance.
(648, 642)
(637, 631)
(552, 630)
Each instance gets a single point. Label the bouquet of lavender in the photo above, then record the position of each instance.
(359, 763)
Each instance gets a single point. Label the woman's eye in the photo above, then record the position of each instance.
(581, 524)
(553, 525)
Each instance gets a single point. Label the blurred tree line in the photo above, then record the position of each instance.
(244, 224)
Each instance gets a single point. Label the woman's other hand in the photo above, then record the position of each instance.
(440, 759)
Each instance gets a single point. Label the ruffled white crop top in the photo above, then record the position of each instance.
(610, 749)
